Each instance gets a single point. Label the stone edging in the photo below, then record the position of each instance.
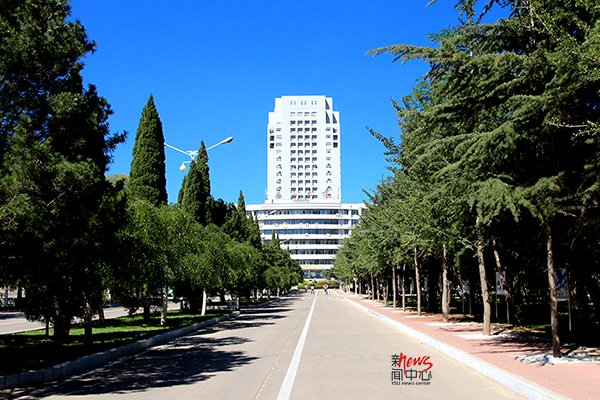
(517, 384)
(93, 361)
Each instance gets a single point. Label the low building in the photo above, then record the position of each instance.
(313, 232)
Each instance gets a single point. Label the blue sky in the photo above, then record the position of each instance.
(216, 67)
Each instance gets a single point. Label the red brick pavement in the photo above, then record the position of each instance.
(573, 380)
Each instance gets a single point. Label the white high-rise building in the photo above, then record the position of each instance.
(303, 202)
(303, 150)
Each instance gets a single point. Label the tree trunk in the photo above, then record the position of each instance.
(87, 319)
(507, 292)
(372, 294)
(485, 297)
(445, 286)
(165, 306)
(101, 316)
(203, 302)
(403, 287)
(394, 283)
(147, 312)
(62, 327)
(418, 279)
(553, 297)
(386, 292)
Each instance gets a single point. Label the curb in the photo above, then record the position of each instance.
(252, 306)
(60, 371)
(517, 384)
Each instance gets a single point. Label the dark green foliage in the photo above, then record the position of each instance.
(499, 147)
(56, 208)
(147, 176)
(194, 195)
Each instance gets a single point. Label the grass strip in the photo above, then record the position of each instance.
(31, 350)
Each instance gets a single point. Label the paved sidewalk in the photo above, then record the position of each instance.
(495, 356)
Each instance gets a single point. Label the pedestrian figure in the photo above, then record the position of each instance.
(325, 287)
(312, 288)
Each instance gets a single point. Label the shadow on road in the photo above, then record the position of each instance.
(189, 360)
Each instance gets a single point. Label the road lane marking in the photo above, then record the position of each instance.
(286, 388)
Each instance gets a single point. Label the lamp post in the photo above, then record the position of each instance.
(194, 153)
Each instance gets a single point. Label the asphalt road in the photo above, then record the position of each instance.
(307, 347)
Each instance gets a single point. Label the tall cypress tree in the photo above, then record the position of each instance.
(194, 196)
(147, 177)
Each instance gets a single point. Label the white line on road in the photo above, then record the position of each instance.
(290, 376)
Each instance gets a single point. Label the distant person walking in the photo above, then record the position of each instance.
(312, 288)
(325, 287)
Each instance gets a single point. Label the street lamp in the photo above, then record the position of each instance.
(194, 153)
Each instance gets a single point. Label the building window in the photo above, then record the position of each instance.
(278, 166)
(306, 114)
(278, 129)
(328, 166)
(313, 122)
(328, 144)
(327, 129)
(293, 159)
(293, 182)
(278, 136)
(292, 122)
(314, 129)
(279, 144)
(328, 150)
(279, 158)
(335, 137)
(272, 145)
(328, 173)
(335, 144)
(278, 173)
(271, 138)
(293, 114)
(293, 144)
(328, 159)
(314, 113)
(278, 181)
(328, 136)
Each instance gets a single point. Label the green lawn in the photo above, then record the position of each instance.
(30, 350)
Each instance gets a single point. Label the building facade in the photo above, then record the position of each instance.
(303, 154)
(303, 201)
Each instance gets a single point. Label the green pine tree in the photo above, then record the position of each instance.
(56, 213)
(194, 196)
(147, 177)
